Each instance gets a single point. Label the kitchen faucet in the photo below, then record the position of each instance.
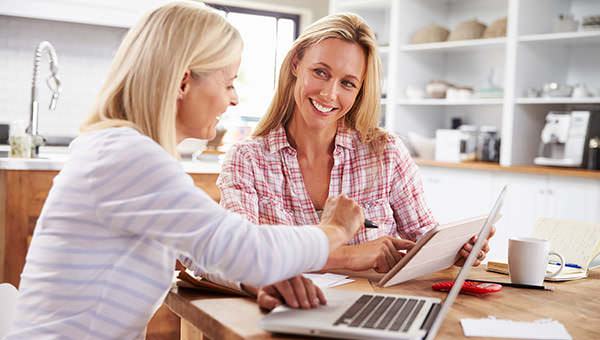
(53, 83)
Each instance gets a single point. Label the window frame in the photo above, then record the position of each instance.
(245, 10)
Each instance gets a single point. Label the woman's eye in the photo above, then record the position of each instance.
(320, 72)
(348, 84)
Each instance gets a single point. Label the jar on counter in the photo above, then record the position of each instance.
(468, 142)
(19, 140)
(488, 144)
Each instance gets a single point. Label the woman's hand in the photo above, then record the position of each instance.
(340, 220)
(381, 254)
(297, 292)
(466, 249)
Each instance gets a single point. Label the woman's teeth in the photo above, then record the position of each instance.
(321, 108)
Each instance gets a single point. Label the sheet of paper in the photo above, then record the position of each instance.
(500, 328)
(328, 280)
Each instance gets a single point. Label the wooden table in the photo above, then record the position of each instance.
(576, 304)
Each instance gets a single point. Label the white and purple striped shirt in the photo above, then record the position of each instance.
(119, 213)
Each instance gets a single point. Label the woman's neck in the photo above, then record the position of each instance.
(310, 142)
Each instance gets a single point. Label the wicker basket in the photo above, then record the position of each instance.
(496, 29)
(466, 30)
(430, 34)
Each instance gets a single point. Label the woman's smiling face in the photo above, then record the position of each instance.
(202, 99)
(328, 79)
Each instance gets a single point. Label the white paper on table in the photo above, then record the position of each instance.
(500, 328)
(328, 280)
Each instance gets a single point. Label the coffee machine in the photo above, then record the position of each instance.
(565, 138)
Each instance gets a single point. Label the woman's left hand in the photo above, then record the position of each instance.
(297, 292)
(466, 249)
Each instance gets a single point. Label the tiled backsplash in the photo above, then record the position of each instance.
(84, 55)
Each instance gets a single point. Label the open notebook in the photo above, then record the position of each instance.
(578, 242)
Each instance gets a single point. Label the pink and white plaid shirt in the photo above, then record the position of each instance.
(261, 179)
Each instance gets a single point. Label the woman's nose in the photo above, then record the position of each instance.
(329, 91)
(234, 99)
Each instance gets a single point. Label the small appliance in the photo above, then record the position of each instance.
(565, 138)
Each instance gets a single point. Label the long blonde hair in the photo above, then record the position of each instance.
(143, 80)
(364, 114)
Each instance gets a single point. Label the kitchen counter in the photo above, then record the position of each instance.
(532, 169)
(54, 158)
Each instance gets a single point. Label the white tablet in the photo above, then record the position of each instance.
(436, 250)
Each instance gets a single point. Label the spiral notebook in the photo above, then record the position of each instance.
(578, 242)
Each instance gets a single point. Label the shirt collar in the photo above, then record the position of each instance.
(277, 138)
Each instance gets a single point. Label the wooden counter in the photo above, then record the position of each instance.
(542, 170)
(573, 303)
(22, 195)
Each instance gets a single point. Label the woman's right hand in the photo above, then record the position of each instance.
(340, 220)
(381, 254)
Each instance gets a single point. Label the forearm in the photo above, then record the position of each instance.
(337, 259)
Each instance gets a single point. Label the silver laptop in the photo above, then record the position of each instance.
(359, 315)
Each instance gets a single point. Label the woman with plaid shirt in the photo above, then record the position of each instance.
(320, 137)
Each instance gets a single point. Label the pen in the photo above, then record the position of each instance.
(516, 285)
(572, 265)
(370, 224)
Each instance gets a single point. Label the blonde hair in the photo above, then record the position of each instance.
(143, 80)
(364, 114)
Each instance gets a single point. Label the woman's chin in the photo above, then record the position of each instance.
(208, 135)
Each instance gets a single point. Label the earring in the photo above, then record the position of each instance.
(180, 96)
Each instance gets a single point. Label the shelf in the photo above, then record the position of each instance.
(569, 38)
(445, 102)
(559, 100)
(462, 45)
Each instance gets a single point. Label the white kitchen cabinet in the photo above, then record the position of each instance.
(524, 203)
(115, 13)
(529, 56)
(574, 199)
(453, 194)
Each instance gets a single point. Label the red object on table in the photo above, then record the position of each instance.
(469, 287)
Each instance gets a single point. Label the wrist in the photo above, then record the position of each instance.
(335, 235)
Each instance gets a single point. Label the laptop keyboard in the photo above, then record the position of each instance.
(386, 313)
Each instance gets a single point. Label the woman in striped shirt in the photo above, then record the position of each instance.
(320, 137)
(122, 209)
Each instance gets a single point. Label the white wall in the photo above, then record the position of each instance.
(84, 55)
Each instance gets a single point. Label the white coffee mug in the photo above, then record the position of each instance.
(528, 259)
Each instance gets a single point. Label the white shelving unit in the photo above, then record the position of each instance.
(462, 45)
(446, 102)
(529, 56)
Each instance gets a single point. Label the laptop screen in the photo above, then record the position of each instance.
(462, 275)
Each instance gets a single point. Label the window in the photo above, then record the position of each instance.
(267, 37)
